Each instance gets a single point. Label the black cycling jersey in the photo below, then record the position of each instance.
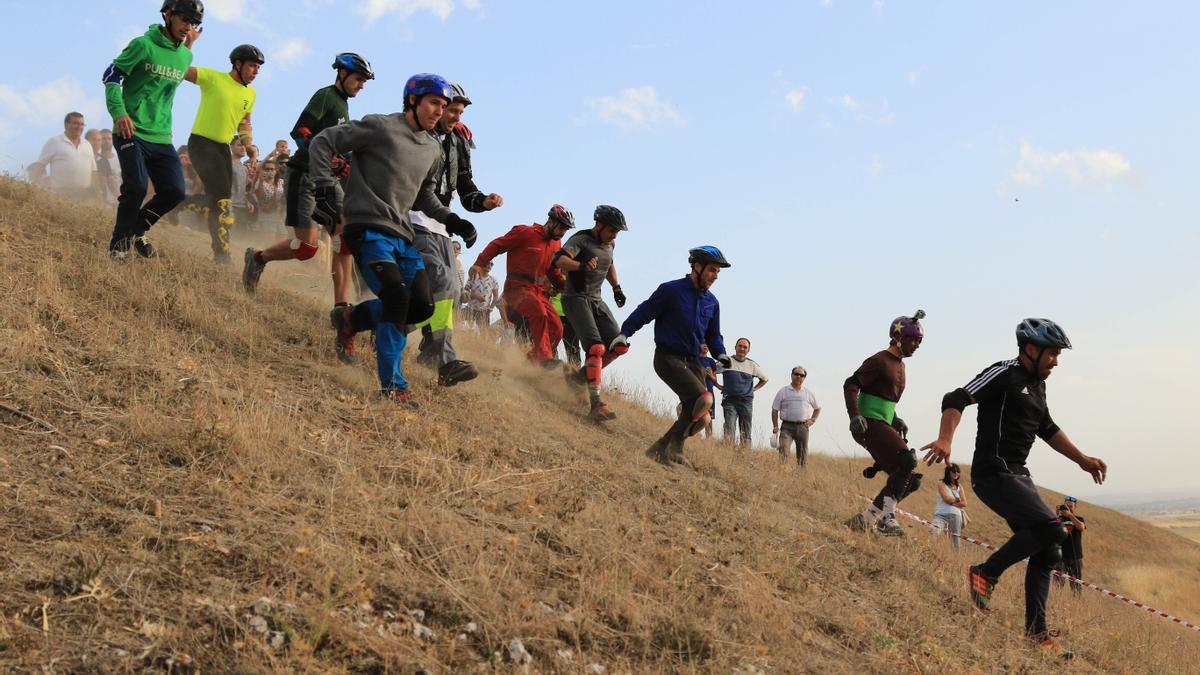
(1012, 412)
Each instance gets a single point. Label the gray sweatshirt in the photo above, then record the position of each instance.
(392, 171)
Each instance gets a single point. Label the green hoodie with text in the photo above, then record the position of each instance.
(141, 83)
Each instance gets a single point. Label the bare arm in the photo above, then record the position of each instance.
(612, 276)
(939, 450)
(246, 133)
(774, 420)
(1093, 465)
(190, 75)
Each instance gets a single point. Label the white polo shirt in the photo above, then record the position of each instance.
(795, 406)
(70, 166)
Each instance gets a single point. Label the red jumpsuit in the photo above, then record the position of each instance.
(529, 268)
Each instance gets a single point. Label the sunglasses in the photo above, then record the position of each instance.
(799, 374)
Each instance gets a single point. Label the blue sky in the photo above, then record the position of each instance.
(855, 160)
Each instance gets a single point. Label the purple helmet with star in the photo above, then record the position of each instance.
(907, 326)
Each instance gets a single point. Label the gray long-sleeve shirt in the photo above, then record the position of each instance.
(393, 170)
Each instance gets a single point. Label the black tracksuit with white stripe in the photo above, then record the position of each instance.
(1012, 413)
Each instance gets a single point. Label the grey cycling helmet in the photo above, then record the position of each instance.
(610, 216)
(460, 95)
(561, 215)
(1043, 333)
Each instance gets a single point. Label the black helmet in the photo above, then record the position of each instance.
(707, 254)
(610, 216)
(247, 53)
(190, 9)
(1043, 333)
(561, 215)
(353, 63)
(460, 95)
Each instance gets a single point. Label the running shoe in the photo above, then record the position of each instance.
(888, 527)
(456, 371)
(251, 271)
(144, 248)
(981, 587)
(343, 343)
(401, 397)
(601, 413)
(1051, 647)
(658, 452)
(120, 250)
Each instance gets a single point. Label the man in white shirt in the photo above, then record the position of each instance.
(68, 160)
(108, 169)
(737, 392)
(799, 410)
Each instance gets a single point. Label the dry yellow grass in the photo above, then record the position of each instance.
(175, 451)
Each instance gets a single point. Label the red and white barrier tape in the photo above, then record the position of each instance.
(1081, 582)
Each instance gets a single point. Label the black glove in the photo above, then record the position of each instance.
(725, 361)
(463, 228)
(328, 205)
(858, 424)
(619, 296)
(900, 427)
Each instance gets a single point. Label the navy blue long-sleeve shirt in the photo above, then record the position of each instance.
(684, 317)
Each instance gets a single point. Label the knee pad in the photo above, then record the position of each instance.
(702, 405)
(1048, 557)
(620, 349)
(420, 298)
(393, 293)
(1050, 534)
(907, 461)
(596, 351)
(914, 484)
(302, 250)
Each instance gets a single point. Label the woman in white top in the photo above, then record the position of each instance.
(948, 510)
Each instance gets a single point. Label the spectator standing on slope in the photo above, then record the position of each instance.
(1072, 562)
(67, 163)
(709, 365)
(948, 506)
(737, 393)
(793, 412)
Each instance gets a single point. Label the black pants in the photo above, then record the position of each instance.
(570, 342)
(143, 164)
(214, 164)
(892, 455)
(1016, 500)
(685, 377)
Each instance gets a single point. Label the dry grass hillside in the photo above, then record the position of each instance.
(192, 482)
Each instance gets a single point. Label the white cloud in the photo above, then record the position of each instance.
(291, 52)
(846, 101)
(876, 165)
(795, 98)
(1099, 168)
(376, 9)
(225, 10)
(42, 108)
(825, 3)
(636, 107)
